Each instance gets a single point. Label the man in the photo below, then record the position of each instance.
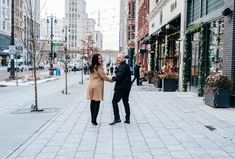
(137, 74)
(122, 89)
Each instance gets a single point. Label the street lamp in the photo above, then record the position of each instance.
(51, 19)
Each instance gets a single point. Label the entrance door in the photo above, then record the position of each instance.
(194, 64)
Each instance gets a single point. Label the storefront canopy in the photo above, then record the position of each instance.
(4, 53)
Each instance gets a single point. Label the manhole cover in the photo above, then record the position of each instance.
(29, 111)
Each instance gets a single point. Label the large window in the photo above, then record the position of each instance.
(216, 46)
(200, 8)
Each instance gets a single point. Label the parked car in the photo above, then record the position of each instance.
(76, 67)
(41, 66)
(31, 67)
(19, 65)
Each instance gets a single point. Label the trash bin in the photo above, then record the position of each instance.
(57, 72)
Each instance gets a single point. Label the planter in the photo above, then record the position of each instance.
(150, 80)
(217, 98)
(157, 82)
(169, 85)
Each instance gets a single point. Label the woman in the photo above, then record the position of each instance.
(142, 76)
(95, 90)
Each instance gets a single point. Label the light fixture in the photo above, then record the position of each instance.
(227, 12)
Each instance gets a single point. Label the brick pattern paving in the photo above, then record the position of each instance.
(163, 126)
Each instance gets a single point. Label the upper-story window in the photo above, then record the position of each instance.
(198, 9)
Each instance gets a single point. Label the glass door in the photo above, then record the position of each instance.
(194, 66)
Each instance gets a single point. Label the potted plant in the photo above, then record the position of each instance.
(156, 80)
(169, 81)
(217, 91)
(149, 75)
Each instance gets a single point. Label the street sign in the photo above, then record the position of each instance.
(58, 44)
(12, 49)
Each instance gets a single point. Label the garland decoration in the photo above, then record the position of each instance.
(204, 59)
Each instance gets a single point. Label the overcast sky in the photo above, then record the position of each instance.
(109, 17)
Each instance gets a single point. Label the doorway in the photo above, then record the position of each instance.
(195, 66)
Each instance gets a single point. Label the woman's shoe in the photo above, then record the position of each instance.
(94, 123)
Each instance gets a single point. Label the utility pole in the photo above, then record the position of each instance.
(12, 46)
(51, 19)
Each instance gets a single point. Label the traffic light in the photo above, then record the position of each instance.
(54, 53)
(50, 55)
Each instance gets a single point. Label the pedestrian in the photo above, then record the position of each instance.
(142, 76)
(111, 69)
(137, 74)
(121, 89)
(95, 91)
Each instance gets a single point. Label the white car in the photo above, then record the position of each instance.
(19, 65)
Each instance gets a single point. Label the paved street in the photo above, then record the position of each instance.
(163, 126)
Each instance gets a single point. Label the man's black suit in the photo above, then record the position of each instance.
(122, 90)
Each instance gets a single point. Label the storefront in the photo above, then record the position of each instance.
(165, 33)
(205, 41)
(4, 45)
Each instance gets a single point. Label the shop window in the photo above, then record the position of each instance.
(216, 46)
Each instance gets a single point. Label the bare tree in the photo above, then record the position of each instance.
(33, 11)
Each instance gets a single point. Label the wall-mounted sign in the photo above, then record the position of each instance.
(173, 6)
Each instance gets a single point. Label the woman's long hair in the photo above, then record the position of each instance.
(94, 63)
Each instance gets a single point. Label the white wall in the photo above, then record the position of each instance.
(168, 15)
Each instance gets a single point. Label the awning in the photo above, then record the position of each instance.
(4, 53)
(146, 40)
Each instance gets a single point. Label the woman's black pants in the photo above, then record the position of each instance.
(94, 107)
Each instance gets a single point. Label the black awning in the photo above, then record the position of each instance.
(146, 40)
(4, 53)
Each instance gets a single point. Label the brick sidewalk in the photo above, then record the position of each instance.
(163, 126)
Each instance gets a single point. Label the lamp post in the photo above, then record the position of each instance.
(51, 19)
(12, 46)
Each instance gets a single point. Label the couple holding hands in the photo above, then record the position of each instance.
(95, 91)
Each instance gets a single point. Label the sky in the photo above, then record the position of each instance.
(109, 17)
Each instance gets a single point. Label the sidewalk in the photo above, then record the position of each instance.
(163, 126)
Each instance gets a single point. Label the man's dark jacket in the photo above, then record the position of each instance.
(123, 77)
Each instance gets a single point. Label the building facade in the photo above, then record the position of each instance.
(166, 32)
(143, 32)
(98, 39)
(5, 30)
(56, 31)
(123, 25)
(75, 12)
(131, 31)
(26, 42)
(212, 43)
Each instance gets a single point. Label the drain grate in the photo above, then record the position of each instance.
(29, 111)
(211, 128)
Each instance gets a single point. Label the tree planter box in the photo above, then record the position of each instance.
(169, 85)
(217, 98)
